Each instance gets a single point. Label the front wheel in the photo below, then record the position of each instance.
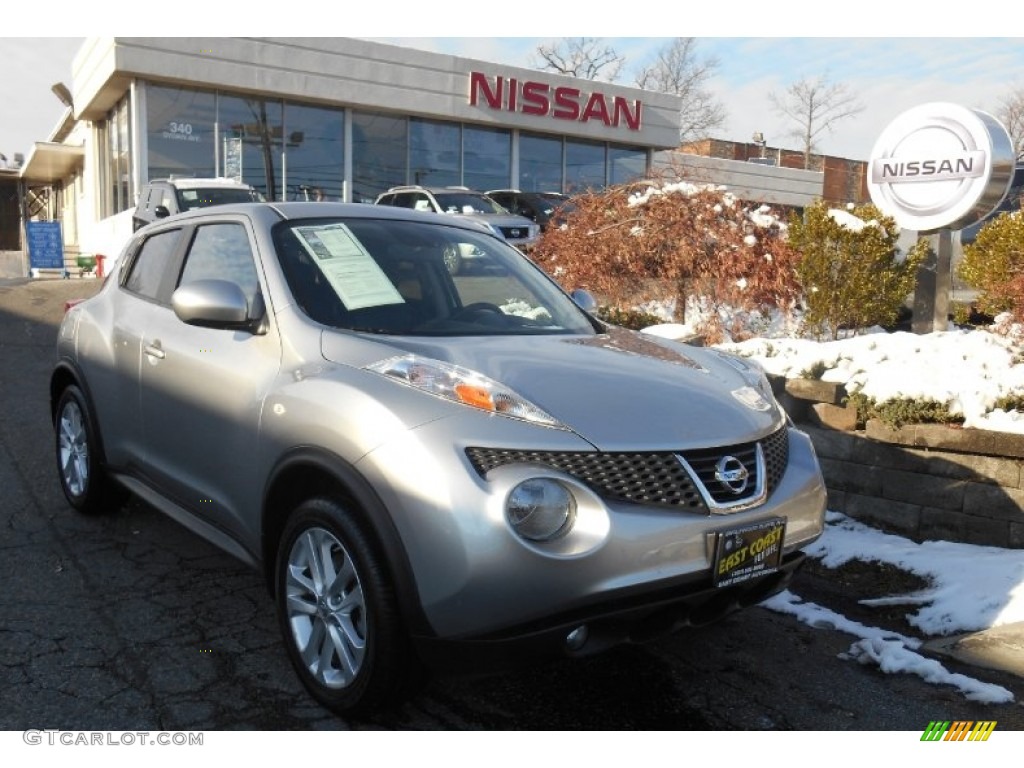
(338, 611)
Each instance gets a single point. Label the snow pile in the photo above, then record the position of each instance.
(969, 371)
(971, 588)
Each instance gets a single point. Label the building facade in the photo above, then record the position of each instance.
(345, 119)
(841, 180)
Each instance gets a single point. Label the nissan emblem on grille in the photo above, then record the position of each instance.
(730, 472)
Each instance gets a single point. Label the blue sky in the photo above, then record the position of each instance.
(760, 49)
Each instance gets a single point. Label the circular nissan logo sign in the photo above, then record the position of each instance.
(940, 165)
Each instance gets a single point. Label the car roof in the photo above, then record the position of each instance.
(530, 193)
(433, 190)
(292, 211)
(192, 182)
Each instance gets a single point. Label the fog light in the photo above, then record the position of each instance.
(577, 638)
(540, 509)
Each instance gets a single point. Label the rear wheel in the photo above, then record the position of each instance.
(79, 465)
(338, 611)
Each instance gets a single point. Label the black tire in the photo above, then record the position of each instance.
(347, 644)
(79, 457)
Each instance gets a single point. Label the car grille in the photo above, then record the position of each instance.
(515, 233)
(657, 479)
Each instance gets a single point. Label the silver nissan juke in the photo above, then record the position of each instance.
(432, 470)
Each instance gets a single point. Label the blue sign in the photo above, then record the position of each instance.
(45, 245)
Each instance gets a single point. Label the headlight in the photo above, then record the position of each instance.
(461, 385)
(540, 509)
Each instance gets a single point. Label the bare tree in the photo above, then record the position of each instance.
(815, 106)
(585, 57)
(677, 69)
(1011, 113)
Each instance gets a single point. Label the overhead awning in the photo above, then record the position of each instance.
(48, 162)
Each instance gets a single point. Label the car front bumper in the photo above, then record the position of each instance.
(475, 578)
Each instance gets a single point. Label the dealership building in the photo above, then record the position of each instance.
(338, 118)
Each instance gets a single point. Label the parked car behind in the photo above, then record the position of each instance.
(430, 470)
(543, 208)
(475, 206)
(165, 197)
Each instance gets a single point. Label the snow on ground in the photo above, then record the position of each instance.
(971, 588)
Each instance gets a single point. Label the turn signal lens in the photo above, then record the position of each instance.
(463, 386)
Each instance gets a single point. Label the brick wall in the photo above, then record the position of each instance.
(923, 493)
(924, 481)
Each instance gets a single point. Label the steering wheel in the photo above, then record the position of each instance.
(478, 306)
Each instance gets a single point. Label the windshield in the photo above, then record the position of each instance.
(466, 202)
(412, 278)
(203, 197)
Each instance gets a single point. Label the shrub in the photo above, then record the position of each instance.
(899, 411)
(994, 264)
(849, 267)
(1013, 402)
(676, 240)
(633, 319)
(815, 370)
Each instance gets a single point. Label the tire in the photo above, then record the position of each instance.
(452, 259)
(79, 458)
(338, 613)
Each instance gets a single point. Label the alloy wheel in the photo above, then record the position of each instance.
(325, 608)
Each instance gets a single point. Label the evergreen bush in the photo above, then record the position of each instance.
(994, 264)
(849, 267)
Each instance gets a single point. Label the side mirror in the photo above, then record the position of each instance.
(584, 300)
(161, 212)
(215, 304)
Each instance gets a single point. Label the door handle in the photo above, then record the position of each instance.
(155, 350)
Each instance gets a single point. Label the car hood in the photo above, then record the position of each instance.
(620, 391)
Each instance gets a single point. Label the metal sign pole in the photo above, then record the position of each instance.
(934, 285)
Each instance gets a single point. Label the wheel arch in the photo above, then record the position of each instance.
(66, 374)
(308, 472)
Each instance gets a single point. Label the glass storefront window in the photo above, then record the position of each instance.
(251, 134)
(116, 160)
(540, 163)
(487, 158)
(180, 132)
(315, 167)
(296, 151)
(379, 149)
(434, 153)
(584, 166)
(626, 164)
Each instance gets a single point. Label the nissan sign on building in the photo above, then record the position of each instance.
(941, 166)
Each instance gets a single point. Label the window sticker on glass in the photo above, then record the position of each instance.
(348, 267)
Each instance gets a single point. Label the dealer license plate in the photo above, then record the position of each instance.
(748, 552)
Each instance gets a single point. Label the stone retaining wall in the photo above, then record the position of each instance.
(921, 481)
